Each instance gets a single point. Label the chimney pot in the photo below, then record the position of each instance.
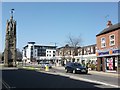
(109, 23)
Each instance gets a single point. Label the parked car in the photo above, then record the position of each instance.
(44, 64)
(75, 68)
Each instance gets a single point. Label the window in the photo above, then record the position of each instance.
(103, 42)
(88, 48)
(112, 40)
(91, 49)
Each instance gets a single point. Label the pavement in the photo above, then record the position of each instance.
(109, 74)
(112, 74)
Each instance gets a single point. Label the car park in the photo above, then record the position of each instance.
(75, 68)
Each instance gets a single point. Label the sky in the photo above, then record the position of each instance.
(47, 23)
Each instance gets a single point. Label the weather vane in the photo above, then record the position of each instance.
(12, 11)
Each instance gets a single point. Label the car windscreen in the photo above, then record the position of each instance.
(77, 64)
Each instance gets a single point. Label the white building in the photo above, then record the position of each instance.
(87, 53)
(84, 54)
(33, 52)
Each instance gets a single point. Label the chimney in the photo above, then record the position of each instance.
(109, 24)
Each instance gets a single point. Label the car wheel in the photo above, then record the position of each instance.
(86, 72)
(74, 71)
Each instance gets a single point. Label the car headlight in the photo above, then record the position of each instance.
(77, 68)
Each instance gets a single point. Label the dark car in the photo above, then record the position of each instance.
(75, 68)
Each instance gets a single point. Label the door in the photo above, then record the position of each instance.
(101, 66)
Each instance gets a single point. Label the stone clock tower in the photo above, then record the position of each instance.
(10, 42)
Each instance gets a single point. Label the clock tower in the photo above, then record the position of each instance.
(10, 42)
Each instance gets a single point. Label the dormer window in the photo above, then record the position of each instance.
(103, 42)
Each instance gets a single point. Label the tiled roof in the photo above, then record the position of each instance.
(109, 29)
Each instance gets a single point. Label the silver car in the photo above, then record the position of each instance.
(44, 64)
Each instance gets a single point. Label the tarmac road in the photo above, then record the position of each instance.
(105, 78)
(21, 78)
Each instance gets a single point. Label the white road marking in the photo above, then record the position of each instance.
(93, 81)
(78, 78)
(88, 80)
(5, 84)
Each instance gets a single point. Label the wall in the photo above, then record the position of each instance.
(117, 40)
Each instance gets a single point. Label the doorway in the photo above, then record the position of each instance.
(101, 66)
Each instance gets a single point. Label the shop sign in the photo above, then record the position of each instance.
(116, 51)
(103, 53)
(108, 52)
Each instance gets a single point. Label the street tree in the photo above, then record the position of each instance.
(74, 43)
(19, 55)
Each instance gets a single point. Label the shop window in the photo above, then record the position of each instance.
(103, 42)
(112, 40)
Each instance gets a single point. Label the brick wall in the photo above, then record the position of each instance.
(117, 40)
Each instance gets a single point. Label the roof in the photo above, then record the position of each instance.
(25, 46)
(89, 45)
(65, 47)
(86, 46)
(45, 46)
(110, 29)
(40, 46)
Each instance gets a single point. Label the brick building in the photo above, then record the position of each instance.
(108, 48)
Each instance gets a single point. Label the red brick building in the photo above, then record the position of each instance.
(108, 48)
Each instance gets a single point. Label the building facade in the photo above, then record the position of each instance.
(84, 54)
(87, 54)
(64, 54)
(33, 52)
(108, 48)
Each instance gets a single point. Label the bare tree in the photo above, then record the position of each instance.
(74, 42)
(19, 55)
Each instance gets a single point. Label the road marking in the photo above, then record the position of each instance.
(6, 85)
(78, 78)
(93, 81)
(88, 80)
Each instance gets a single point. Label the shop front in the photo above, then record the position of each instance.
(107, 61)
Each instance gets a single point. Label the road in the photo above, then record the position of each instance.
(94, 77)
(21, 78)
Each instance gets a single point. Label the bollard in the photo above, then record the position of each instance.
(46, 68)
